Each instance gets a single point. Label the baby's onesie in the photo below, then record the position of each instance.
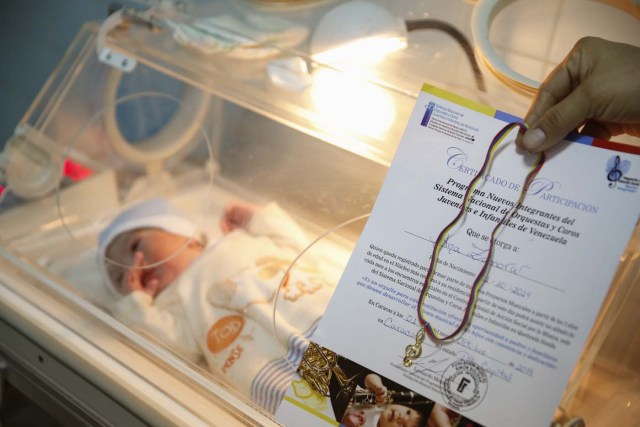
(221, 308)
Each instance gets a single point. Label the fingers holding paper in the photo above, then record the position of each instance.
(597, 86)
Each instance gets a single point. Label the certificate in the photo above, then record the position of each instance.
(552, 263)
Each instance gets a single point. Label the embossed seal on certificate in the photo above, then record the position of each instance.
(463, 384)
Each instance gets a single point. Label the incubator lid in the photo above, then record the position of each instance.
(346, 72)
(349, 72)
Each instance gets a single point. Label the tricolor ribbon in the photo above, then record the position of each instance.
(413, 351)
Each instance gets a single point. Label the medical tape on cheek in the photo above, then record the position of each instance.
(414, 350)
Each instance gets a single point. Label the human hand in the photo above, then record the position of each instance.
(354, 418)
(133, 279)
(236, 215)
(442, 416)
(597, 84)
(374, 384)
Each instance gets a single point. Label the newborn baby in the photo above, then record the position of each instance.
(213, 298)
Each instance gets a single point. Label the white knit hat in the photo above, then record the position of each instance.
(152, 213)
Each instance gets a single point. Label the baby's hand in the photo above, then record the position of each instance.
(442, 417)
(236, 215)
(133, 277)
(354, 419)
(373, 382)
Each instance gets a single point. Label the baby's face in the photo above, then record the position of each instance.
(148, 259)
(399, 416)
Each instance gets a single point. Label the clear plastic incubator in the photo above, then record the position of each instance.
(275, 117)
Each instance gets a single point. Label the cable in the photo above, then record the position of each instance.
(434, 24)
(285, 276)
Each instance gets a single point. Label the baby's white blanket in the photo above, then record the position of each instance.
(222, 307)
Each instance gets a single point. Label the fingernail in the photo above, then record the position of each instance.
(529, 121)
(533, 138)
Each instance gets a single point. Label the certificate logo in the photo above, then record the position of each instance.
(617, 170)
(427, 114)
(463, 385)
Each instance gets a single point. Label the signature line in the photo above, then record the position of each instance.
(493, 266)
(461, 345)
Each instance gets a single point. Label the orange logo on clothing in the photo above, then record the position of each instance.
(234, 355)
(224, 332)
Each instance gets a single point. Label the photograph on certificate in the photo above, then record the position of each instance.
(340, 391)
